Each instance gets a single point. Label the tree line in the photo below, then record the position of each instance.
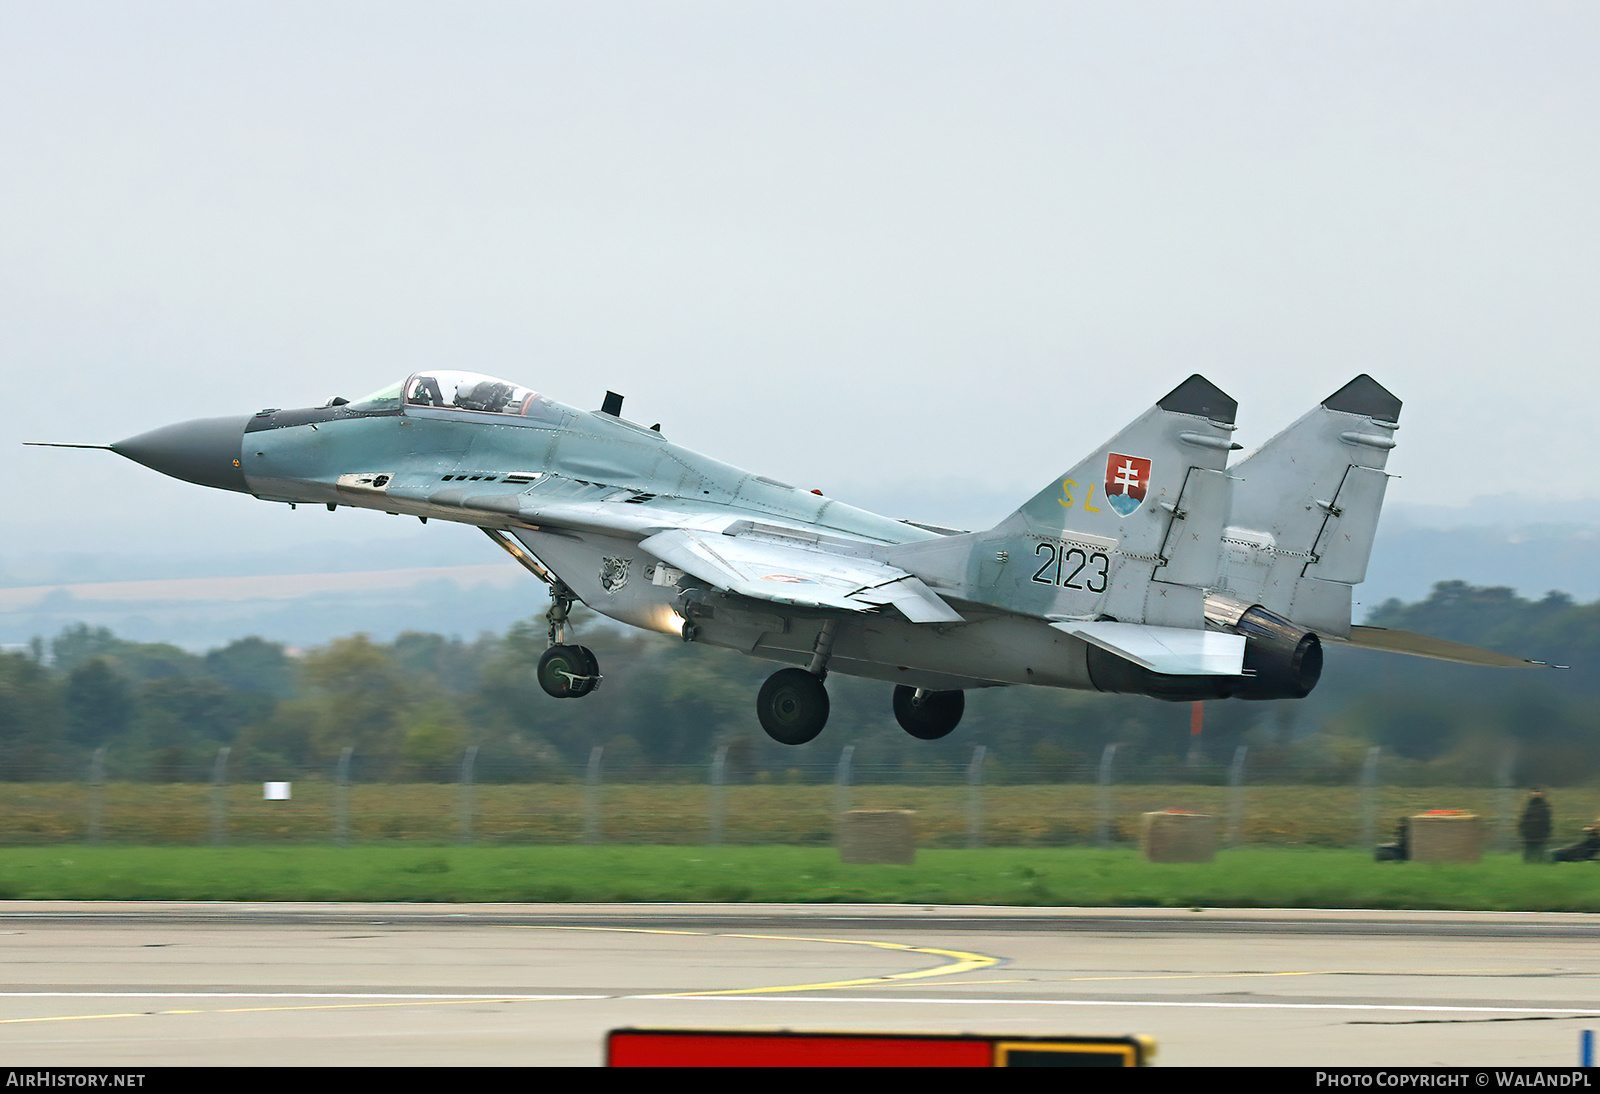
(411, 708)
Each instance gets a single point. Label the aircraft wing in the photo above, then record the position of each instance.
(775, 568)
(785, 573)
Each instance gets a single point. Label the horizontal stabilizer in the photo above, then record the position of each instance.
(784, 573)
(1172, 651)
(1421, 645)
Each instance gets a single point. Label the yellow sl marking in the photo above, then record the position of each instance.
(1067, 486)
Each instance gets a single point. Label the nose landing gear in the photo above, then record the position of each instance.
(566, 671)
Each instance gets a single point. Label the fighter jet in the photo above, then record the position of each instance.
(1150, 567)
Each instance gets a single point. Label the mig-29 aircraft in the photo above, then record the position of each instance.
(1151, 567)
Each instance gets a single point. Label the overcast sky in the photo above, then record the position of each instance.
(869, 247)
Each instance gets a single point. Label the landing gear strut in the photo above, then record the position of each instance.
(928, 715)
(566, 671)
(793, 704)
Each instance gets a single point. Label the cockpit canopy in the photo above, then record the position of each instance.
(450, 390)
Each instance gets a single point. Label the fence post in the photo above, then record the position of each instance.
(341, 798)
(467, 763)
(591, 797)
(219, 798)
(1505, 799)
(975, 798)
(719, 796)
(1236, 796)
(97, 793)
(1103, 798)
(1369, 798)
(841, 782)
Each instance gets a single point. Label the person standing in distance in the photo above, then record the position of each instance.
(1534, 826)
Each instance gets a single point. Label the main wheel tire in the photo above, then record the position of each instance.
(932, 717)
(793, 706)
(591, 670)
(568, 672)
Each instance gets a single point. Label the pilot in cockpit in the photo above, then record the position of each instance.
(426, 393)
(486, 395)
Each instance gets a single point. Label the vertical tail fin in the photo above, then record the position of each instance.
(1133, 531)
(1305, 508)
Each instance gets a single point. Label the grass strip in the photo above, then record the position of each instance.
(1246, 878)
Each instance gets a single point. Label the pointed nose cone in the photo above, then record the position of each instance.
(206, 451)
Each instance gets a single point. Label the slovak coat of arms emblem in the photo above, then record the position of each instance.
(614, 573)
(1127, 481)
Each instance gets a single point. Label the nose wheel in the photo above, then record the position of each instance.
(792, 706)
(928, 715)
(568, 672)
(565, 671)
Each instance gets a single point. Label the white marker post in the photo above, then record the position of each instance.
(275, 792)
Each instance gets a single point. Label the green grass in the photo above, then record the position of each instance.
(1267, 877)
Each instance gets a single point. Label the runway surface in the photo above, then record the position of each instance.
(161, 984)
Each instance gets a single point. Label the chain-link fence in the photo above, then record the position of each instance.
(1098, 804)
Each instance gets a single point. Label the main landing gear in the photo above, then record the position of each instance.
(793, 704)
(928, 715)
(566, 671)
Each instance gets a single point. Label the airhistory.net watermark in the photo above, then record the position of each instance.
(51, 1079)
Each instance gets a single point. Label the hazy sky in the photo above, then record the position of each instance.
(861, 246)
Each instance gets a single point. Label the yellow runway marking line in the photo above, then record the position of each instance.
(72, 1018)
(963, 962)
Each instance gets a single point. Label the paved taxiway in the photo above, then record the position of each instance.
(150, 984)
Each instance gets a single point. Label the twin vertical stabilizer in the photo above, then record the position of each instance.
(1152, 527)
(1131, 533)
(1305, 509)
